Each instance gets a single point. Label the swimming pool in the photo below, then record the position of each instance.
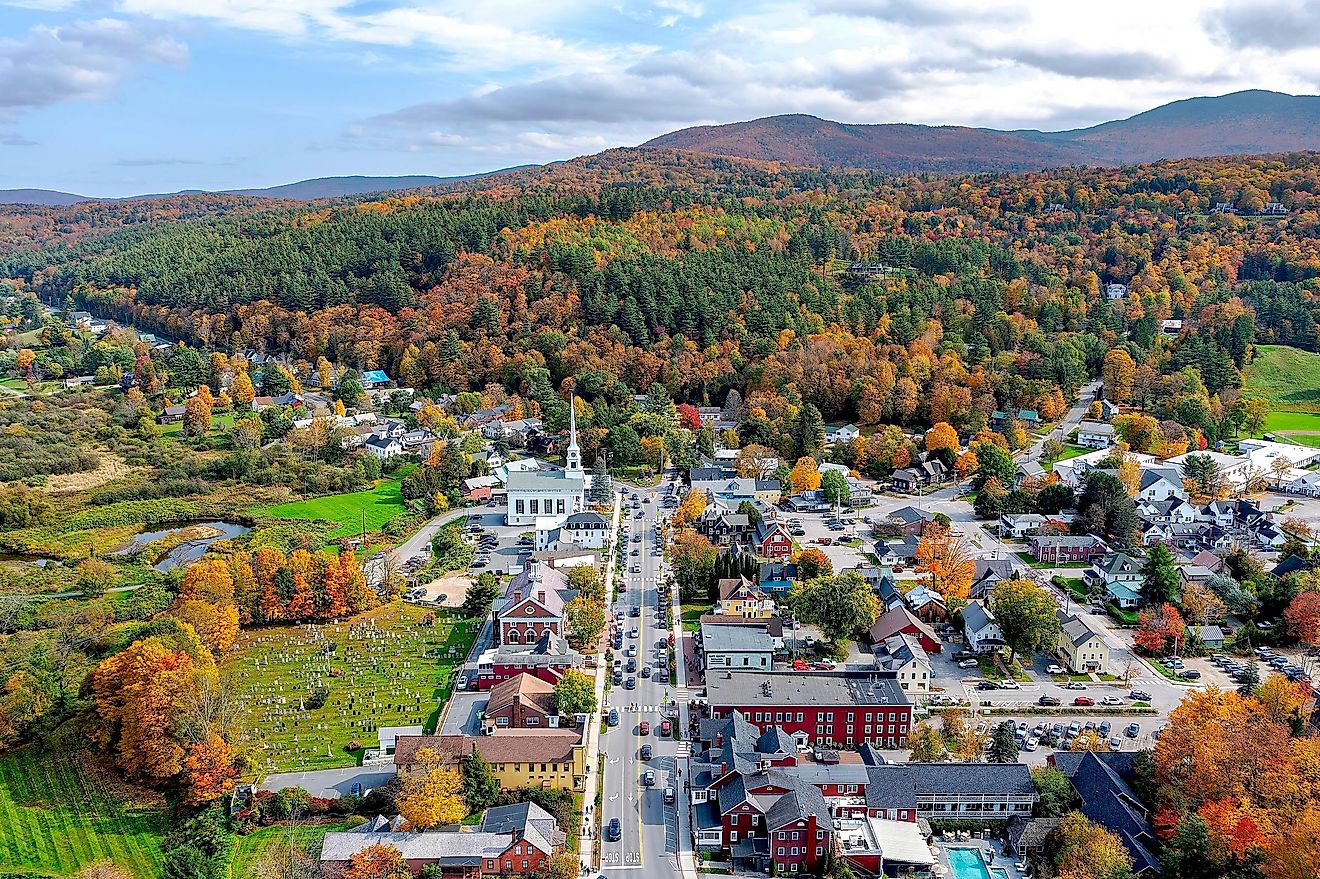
(967, 864)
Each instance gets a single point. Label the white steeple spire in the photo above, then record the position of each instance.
(572, 455)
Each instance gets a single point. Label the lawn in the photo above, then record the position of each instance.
(375, 506)
(59, 812)
(389, 667)
(692, 614)
(1288, 377)
(220, 423)
(249, 850)
(1073, 451)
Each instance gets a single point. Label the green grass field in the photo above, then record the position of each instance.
(220, 423)
(383, 668)
(378, 505)
(249, 850)
(59, 812)
(1288, 377)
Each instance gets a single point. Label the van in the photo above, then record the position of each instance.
(669, 795)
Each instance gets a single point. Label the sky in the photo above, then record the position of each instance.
(121, 97)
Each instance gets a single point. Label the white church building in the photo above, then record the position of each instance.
(536, 494)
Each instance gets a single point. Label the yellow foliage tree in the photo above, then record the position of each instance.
(805, 475)
(434, 795)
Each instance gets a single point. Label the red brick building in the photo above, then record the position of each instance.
(773, 541)
(547, 658)
(533, 605)
(1067, 548)
(836, 708)
(522, 702)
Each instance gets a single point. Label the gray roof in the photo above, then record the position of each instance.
(970, 778)
(447, 846)
(587, 518)
(1096, 428)
(743, 688)
(537, 825)
(976, 617)
(1078, 632)
(1109, 801)
(802, 801)
(744, 639)
(1082, 540)
(545, 480)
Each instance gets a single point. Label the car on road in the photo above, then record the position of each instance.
(646, 752)
(618, 677)
(632, 650)
(614, 717)
(665, 728)
(1048, 700)
(631, 666)
(634, 632)
(1141, 695)
(1083, 700)
(634, 611)
(968, 663)
(646, 671)
(823, 665)
(1111, 700)
(614, 832)
(648, 778)
(636, 569)
(1133, 730)
(644, 728)
(1074, 685)
(1057, 670)
(669, 795)
(631, 684)
(801, 665)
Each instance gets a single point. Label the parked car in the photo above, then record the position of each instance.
(987, 685)
(1111, 700)
(1189, 674)
(1049, 700)
(1083, 700)
(1133, 730)
(1009, 684)
(968, 663)
(1074, 685)
(1057, 670)
(1141, 695)
(614, 717)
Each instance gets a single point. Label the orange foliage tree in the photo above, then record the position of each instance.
(947, 558)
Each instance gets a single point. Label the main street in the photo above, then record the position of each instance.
(649, 836)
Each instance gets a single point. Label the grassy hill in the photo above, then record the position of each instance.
(1288, 377)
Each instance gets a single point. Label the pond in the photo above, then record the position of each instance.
(189, 550)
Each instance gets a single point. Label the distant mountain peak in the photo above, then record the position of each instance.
(1249, 121)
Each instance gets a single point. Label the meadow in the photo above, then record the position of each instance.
(1288, 377)
(251, 849)
(389, 667)
(350, 512)
(61, 811)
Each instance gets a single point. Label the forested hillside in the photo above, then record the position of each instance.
(705, 274)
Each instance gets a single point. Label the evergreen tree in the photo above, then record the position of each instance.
(807, 432)
(1004, 747)
(1161, 575)
(481, 789)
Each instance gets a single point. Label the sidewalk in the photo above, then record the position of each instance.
(586, 841)
(687, 862)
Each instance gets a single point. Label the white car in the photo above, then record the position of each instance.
(968, 663)
(1057, 670)
(1111, 700)
(1009, 684)
(631, 651)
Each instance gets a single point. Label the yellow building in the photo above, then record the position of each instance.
(518, 757)
(1081, 648)
(739, 597)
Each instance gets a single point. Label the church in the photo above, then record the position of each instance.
(535, 494)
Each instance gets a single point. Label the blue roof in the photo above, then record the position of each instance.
(1028, 415)
(1122, 590)
(376, 376)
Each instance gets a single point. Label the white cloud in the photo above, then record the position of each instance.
(80, 61)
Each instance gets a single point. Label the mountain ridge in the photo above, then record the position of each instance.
(311, 189)
(1246, 122)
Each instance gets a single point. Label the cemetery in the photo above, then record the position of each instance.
(315, 694)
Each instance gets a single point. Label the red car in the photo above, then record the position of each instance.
(801, 665)
(664, 728)
(644, 728)
(1083, 700)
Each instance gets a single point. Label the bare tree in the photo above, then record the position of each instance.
(213, 710)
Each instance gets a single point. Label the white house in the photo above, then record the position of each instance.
(1115, 291)
(587, 529)
(1095, 435)
(845, 434)
(1020, 524)
(903, 655)
(384, 447)
(1303, 482)
(1160, 484)
(979, 627)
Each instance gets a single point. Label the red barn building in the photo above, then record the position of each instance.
(773, 541)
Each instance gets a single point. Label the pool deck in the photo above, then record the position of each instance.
(998, 861)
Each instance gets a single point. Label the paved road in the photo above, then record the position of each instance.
(1071, 420)
(649, 830)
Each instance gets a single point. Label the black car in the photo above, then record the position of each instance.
(614, 831)
(618, 677)
(631, 666)
(646, 752)
(630, 684)
(1049, 700)
(1141, 695)
(634, 611)
(987, 685)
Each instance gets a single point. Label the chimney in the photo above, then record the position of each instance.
(540, 595)
(517, 596)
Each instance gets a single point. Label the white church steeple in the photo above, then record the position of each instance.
(572, 455)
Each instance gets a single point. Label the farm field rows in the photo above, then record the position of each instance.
(251, 849)
(59, 812)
